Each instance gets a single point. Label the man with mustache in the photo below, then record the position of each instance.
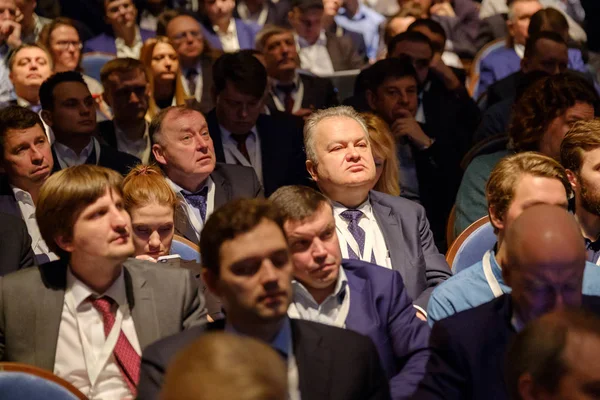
(389, 231)
(246, 262)
(580, 155)
(290, 91)
(88, 316)
(70, 110)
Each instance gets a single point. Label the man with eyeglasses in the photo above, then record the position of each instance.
(184, 31)
(127, 38)
(126, 91)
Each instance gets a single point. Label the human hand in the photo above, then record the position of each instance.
(442, 9)
(145, 257)
(438, 67)
(407, 126)
(421, 316)
(10, 32)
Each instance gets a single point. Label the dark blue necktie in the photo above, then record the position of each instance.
(358, 233)
(198, 200)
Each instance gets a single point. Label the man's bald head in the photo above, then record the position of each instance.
(545, 260)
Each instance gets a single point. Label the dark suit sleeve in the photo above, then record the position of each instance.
(27, 258)
(2, 322)
(194, 311)
(257, 188)
(379, 388)
(410, 337)
(437, 269)
(446, 374)
(332, 98)
(152, 372)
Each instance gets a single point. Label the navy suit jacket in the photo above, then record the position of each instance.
(468, 352)
(281, 145)
(106, 44)
(333, 363)
(246, 32)
(109, 158)
(411, 246)
(381, 309)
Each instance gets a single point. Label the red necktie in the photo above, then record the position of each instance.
(128, 359)
(241, 144)
(288, 99)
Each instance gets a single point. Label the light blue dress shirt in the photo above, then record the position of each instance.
(366, 21)
(469, 289)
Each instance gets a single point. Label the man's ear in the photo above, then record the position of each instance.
(210, 280)
(573, 179)
(371, 97)
(158, 153)
(47, 117)
(312, 170)
(65, 243)
(495, 219)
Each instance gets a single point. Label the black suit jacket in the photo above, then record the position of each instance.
(109, 158)
(319, 93)
(281, 145)
(15, 246)
(505, 88)
(468, 352)
(333, 363)
(277, 13)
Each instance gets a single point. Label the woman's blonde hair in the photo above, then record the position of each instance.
(145, 184)
(384, 147)
(146, 58)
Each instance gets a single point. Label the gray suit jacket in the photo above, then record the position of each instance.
(231, 182)
(163, 301)
(410, 243)
(343, 53)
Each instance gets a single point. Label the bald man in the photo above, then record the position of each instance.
(545, 264)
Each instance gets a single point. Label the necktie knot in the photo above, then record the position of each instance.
(192, 73)
(241, 144)
(198, 200)
(352, 216)
(286, 88)
(103, 305)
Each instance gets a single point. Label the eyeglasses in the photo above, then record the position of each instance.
(183, 35)
(64, 45)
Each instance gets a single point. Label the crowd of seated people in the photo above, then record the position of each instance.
(261, 199)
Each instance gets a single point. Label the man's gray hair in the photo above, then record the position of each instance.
(318, 116)
(511, 8)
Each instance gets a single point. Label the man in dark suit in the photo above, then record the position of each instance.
(242, 135)
(428, 154)
(52, 316)
(262, 12)
(545, 268)
(350, 294)
(127, 92)
(290, 91)
(195, 59)
(224, 32)
(321, 52)
(70, 110)
(246, 262)
(390, 231)
(15, 246)
(127, 38)
(184, 150)
(26, 159)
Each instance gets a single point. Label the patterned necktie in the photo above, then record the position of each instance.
(358, 233)
(288, 99)
(191, 77)
(198, 200)
(241, 144)
(127, 358)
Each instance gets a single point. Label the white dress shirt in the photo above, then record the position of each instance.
(229, 39)
(199, 82)
(124, 51)
(139, 148)
(84, 356)
(234, 156)
(332, 311)
(193, 214)
(27, 208)
(66, 157)
(373, 235)
(315, 57)
(259, 18)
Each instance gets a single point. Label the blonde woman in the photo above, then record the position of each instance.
(385, 156)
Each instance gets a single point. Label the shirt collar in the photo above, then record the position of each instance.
(22, 195)
(496, 269)
(365, 207)
(296, 81)
(81, 291)
(321, 41)
(360, 13)
(145, 138)
(63, 150)
(231, 29)
(282, 340)
(137, 39)
(227, 135)
(178, 189)
(339, 291)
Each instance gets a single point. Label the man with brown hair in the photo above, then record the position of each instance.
(516, 183)
(580, 155)
(126, 91)
(246, 262)
(88, 316)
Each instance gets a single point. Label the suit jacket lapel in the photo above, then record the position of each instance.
(141, 303)
(270, 164)
(392, 231)
(334, 51)
(313, 360)
(215, 133)
(56, 166)
(359, 304)
(49, 313)
(223, 191)
(8, 203)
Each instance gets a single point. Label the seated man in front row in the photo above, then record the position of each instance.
(88, 316)
(352, 294)
(516, 183)
(246, 262)
(544, 266)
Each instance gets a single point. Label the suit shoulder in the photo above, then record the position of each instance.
(120, 155)
(160, 272)
(233, 171)
(397, 202)
(472, 320)
(166, 348)
(334, 337)
(98, 39)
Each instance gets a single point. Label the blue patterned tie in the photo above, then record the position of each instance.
(353, 217)
(198, 200)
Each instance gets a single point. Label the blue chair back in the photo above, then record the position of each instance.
(471, 245)
(186, 249)
(93, 62)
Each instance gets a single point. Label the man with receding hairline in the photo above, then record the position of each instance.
(545, 268)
